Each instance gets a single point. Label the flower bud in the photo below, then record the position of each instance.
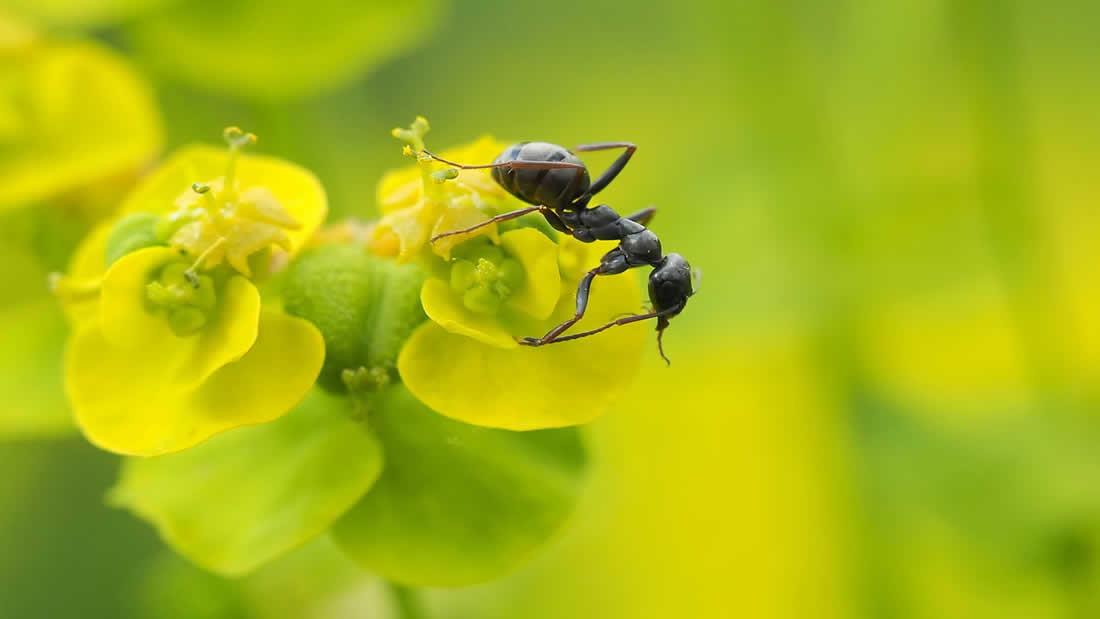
(365, 308)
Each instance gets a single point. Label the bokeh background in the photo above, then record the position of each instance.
(882, 403)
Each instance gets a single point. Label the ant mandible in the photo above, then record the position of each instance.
(556, 182)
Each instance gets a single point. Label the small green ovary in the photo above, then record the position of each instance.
(184, 299)
(485, 276)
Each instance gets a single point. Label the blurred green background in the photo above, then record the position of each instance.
(881, 404)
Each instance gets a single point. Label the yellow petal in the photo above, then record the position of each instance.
(539, 257)
(296, 190)
(446, 308)
(184, 362)
(524, 388)
(127, 323)
(88, 264)
(128, 406)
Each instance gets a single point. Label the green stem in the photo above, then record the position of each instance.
(407, 602)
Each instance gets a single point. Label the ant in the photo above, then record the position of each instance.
(556, 182)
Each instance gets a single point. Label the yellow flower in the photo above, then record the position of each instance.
(494, 286)
(71, 113)
(171, 344)
(466, 363)
(419, 202)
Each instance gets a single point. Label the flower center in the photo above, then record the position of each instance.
(484, 276)
(184, 299)
(217, 220)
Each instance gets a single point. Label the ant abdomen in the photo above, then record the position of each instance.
(556, 188)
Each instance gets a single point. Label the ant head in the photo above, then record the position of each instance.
(669, 289)
(670, 285)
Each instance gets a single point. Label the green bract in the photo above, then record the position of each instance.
(278, 49)
(251, 494)
(458, 504)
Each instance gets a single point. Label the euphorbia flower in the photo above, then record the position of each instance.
(489, 288)
(176, 347)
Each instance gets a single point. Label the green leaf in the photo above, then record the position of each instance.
(251, 494)
(278, 49)
(459, 504)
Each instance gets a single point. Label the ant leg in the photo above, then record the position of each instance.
(618, 322)
(492, 220)
(613, 170)
(662, 324)
(519, 164)
(612, 263)
(555, 221)
(582, 305)
(643, 216)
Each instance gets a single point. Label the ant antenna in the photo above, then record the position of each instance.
(662, 324)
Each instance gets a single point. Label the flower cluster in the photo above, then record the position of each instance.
(339, 379)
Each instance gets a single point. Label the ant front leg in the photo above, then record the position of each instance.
(492, 220)
(612, 171)
(612, 263)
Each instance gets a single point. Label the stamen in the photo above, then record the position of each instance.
(236, 139)
(190, 274)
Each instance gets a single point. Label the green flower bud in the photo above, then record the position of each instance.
(131, 233)
(365, 307)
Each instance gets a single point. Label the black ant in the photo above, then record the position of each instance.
(556, 182)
